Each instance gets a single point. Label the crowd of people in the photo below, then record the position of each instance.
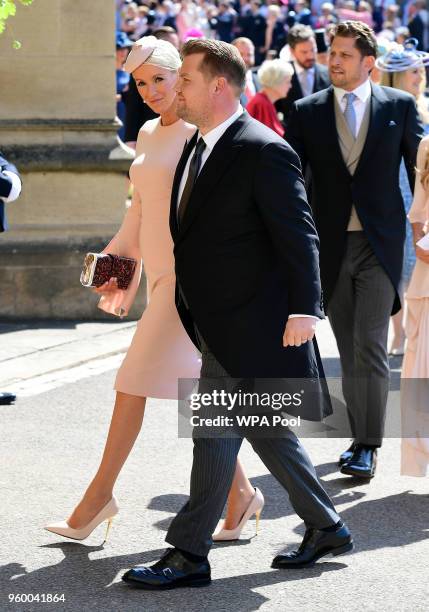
(251, 224)
(267, 23)
(226, 257)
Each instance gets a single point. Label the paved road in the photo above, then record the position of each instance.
(50, 444)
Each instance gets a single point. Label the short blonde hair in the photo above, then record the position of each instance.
(273, 73)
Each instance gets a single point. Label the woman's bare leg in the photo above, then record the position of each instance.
(398, 339)
(239, 497)
(124, 428)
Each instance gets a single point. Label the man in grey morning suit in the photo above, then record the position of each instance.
(246, 255)
(353, 136)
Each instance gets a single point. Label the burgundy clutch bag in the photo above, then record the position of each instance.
(98, 268)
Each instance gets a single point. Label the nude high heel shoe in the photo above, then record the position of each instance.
(254, 508)
(107, 513)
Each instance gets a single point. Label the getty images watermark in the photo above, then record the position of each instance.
(313, 408)
(234, 402)
(258, 407)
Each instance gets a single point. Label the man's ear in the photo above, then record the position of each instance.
(369, 62)
(219, 86)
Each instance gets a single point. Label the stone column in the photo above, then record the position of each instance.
(57, 124)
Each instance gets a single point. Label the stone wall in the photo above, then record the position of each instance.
(57, 124)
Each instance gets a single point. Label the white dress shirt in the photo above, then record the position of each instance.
(307, 88)
(362, 93)
(211, 139)
(250, 88)
(16, 186)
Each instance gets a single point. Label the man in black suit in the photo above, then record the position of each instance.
(252, 24)
(353, 137)
(248, 294)
(10, 188)
(309, 77)
(419, 25)
(246, 49)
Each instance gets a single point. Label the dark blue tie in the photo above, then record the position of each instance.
(194, 169)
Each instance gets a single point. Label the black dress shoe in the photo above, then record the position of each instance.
(347, 454)
(362, 463)
(316, 544)
(173, 570)
(7, 398)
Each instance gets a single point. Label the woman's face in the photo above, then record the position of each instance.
(284, 87)
(156, 86)
(412, 79)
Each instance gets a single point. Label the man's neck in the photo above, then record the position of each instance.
(217, 119)
(352, 87)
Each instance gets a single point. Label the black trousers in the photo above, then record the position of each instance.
(359, 312)
(213, 471)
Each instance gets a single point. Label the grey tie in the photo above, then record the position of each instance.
(350, 113)
(194, 168)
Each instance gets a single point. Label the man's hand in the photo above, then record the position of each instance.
(299, 330)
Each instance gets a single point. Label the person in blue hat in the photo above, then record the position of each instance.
(403, 67)
(123, 46)
(10, 188)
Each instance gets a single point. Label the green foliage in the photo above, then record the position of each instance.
(8, 9)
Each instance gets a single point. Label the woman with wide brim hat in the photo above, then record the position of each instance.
(403, 67)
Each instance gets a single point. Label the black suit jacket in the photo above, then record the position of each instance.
(394, 132)
(246, 253)
(5, 188)
(417, 30)
(321, 81)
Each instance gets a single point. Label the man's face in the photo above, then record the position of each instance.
(121, 56)
(347, 67)
(194, 92)
(247, 52)
(173, 39)
(305, 53)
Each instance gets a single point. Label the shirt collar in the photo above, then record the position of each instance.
(362, 92)
(216, 133)
(299, 69)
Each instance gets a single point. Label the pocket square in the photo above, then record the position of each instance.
(392, 123)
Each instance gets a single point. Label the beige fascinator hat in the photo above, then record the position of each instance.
(151, 50)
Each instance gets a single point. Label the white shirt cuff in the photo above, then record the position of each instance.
(295, 316)
(16, 186)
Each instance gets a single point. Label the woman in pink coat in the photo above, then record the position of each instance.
(415, 367)
(161, 351)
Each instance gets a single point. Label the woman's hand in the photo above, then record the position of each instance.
(108, 288)
(422, 254)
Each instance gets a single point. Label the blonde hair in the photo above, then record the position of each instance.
(396, 80)
(272, 73)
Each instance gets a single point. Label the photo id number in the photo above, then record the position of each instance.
(36, 597)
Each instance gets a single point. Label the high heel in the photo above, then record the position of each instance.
(254, 508)
(107, 513)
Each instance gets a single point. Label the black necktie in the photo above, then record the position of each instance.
(194, 168)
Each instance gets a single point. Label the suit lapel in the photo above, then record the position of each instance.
(218, 162)
(176, 184)
(296, 85)
(379, 116)
(325, 116)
